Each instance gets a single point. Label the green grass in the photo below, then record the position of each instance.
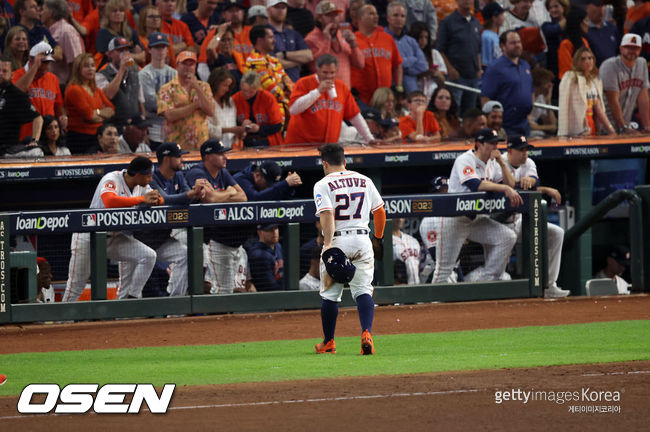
(294, 359)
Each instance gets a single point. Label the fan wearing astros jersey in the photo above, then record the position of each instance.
(477, 170)
(319, 103)
(383, 65)
(125, 188)
(344, 200)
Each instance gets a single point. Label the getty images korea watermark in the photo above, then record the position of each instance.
(585, 400)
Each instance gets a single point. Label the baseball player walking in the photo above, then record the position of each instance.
(524, 172)
(480, 169)
(344, 200)
(124, 188)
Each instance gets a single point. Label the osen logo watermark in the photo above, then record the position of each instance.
(80, 398)
(481, 204)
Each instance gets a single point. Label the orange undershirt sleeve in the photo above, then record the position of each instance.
(379, 216)
(111, 200)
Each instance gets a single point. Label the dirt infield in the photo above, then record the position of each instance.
(440, 401)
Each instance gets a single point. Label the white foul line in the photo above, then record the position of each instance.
(290, 401)
(332, 399)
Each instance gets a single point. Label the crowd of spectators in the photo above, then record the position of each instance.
(182, 67)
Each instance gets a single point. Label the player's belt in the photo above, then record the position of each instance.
(349, 232)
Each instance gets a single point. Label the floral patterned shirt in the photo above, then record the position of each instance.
(190, 132)
(274, 79)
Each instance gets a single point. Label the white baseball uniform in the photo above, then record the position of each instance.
(351, 197)
(120, 246)
(243, 274)
(481, 229)
(555, 234)
(407, 250)
(309, 283)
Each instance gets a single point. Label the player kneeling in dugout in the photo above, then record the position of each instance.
(479, 169)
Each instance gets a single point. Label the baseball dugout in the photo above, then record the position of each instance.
(294, 217)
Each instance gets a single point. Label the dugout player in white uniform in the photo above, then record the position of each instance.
(344, 200)
(406, 249)
(524, 171)
(125, 188)
(429, 229)
(480, 169)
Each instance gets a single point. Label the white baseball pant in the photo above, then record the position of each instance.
(171, 251)
(453, 233)
(222, 263)
(119, 247)
(555, 239)
(358, 249)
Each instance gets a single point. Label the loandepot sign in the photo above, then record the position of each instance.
(40, 223)
(481, 204)
(282, 213)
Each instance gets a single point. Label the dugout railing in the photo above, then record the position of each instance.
(292, 213)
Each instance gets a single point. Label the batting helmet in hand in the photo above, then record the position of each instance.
(338, 265)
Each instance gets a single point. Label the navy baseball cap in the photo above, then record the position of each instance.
(487, 135)
(271, 172)
(492, 10)
(157, 39)
(373, 114)
(137, 121)
(266, 227)
(438, 183)
(118, 42)
(169, 149)
(234, 3)
(518, 142)
(212, 146)
(338, 265)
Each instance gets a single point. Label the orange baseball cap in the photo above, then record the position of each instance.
(186, 55)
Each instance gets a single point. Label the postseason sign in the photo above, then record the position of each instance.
(147, 218)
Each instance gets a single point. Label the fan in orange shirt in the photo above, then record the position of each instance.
(177, 30)
(420, 125)
(258, 111)
(383, 65)
(41, 85)
(319, 103)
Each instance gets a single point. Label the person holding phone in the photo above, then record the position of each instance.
(331, 36)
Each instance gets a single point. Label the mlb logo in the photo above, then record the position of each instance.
(89, 220)
(58, 173)
(220, 214)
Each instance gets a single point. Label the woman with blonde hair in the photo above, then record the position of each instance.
(581, 98)
(87, 106)
(383, 100)
(113, 23)
(17, 47)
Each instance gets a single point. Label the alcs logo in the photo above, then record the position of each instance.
(80, 398)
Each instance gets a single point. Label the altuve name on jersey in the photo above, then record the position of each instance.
(346, 182)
